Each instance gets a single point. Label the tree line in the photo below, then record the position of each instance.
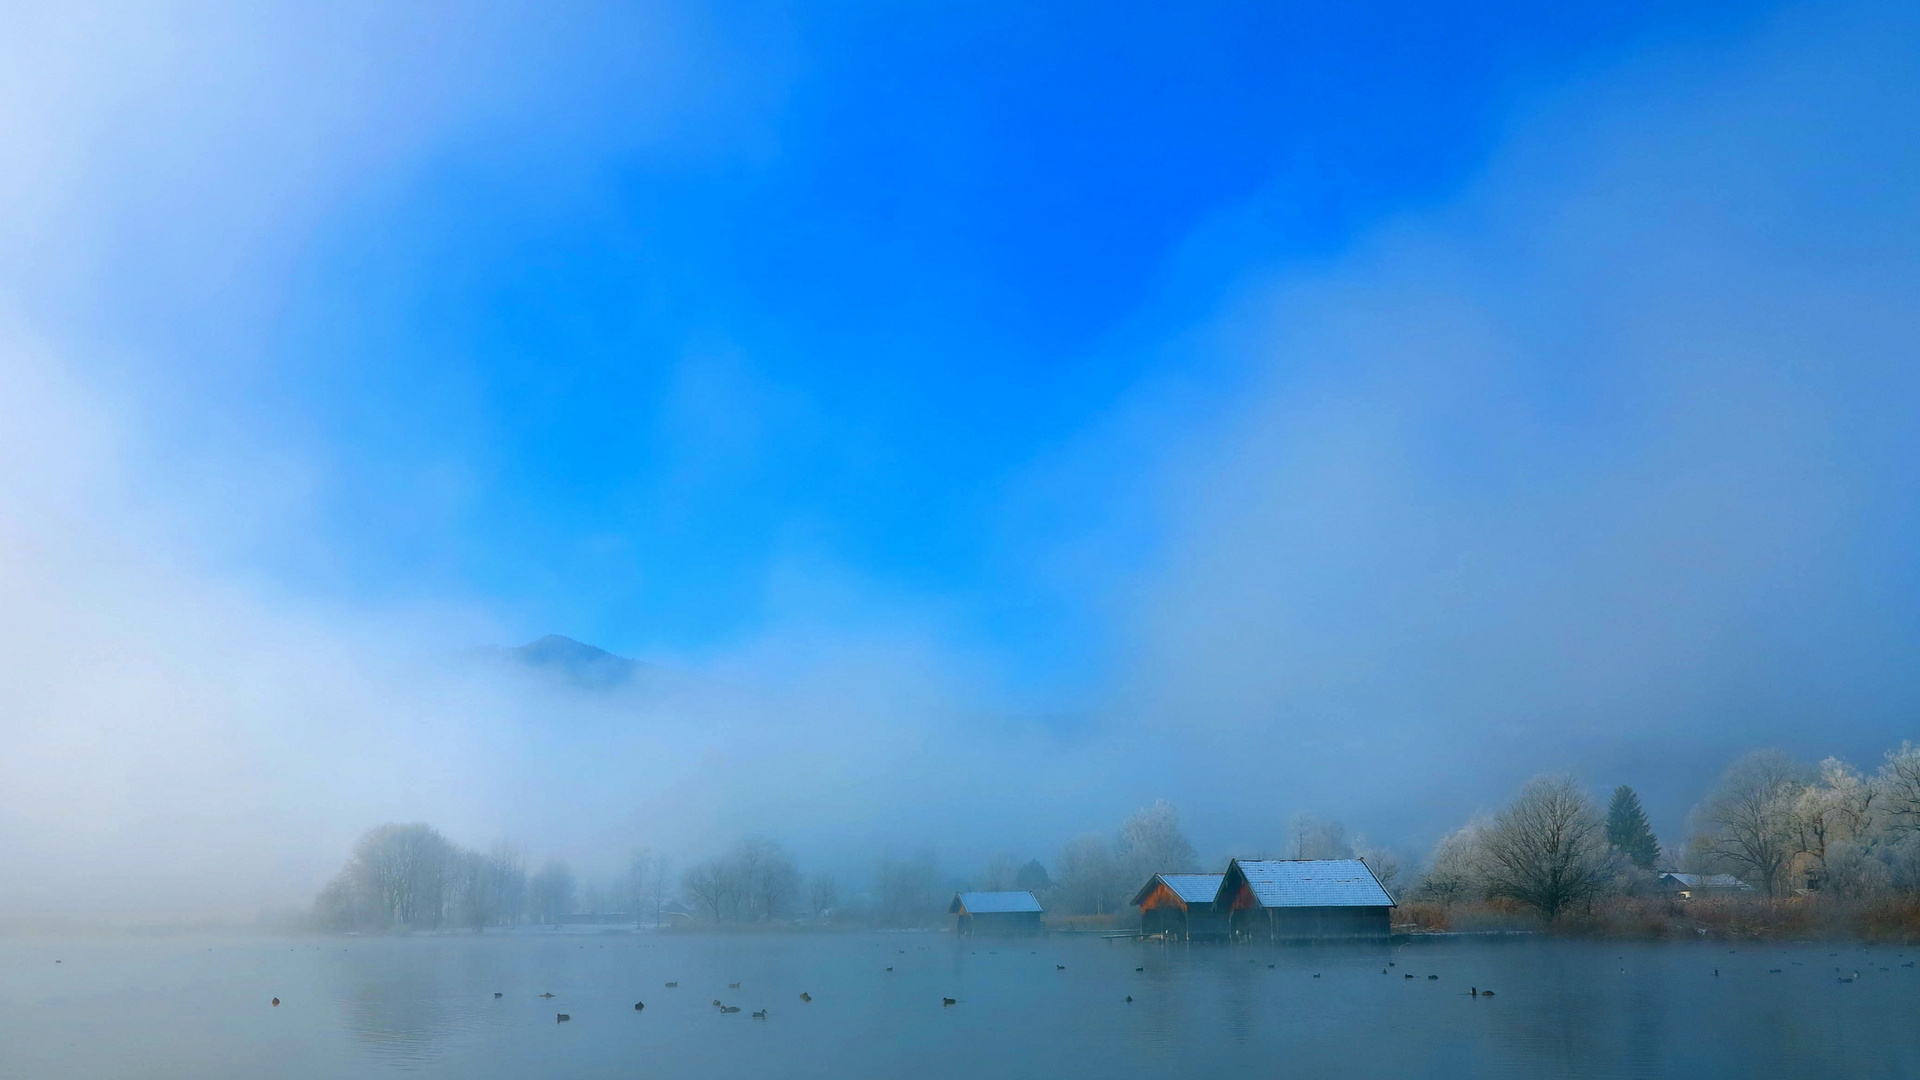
(410, 877)
(1779, 825)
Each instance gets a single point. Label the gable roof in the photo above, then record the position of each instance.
(1708, 881)
(993, 903)
(1190, 888)
(1309, 883)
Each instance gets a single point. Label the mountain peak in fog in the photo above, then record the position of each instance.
(575, 661)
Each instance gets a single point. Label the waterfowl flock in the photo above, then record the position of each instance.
(1841, 975)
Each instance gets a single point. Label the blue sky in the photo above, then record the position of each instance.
(601, 346)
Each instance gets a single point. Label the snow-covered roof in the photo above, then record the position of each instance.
(1708, 881)
(1312, 883)
(994, 903)
(1190, 888)
(1194, 888)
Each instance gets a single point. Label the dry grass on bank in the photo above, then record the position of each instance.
(1090, 922)
(1892, 919)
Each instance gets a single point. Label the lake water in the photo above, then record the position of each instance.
(424, 1006)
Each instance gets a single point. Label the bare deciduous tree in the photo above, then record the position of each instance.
(1384, 863)
(1899, 788)
(1311, 837)
(1151, 842)
(709, 885)
(407, 868)
(755, 880)
(636, 891)
(553, 891)
(1548, 848)
(1749, 820)
(491, 888)
(1086, 875)
(411, 877)
(908, 889)
(999, 874)
(767, 875)
(823, 894)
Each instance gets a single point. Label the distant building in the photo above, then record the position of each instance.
(1303, 899)
(1688, 886)
(599, 918)
(1181, 906)
(995, 913)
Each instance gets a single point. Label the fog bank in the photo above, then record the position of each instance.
(1607, 465)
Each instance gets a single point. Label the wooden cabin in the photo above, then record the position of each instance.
(1180, 906)
(1303, 900)
(1000, 914)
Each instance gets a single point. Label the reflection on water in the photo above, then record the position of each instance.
(424, 1006)
(400, 1003)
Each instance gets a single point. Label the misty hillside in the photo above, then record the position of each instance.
(572, 661)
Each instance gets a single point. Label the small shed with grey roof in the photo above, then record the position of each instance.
(1688, 886)
(996, 913)
(1180, 906)
(1303, 899)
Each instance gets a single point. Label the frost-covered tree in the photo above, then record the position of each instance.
(1899, 788)
(1456, 872)
(1835, 811)
(1749, 822)
(1151, 842)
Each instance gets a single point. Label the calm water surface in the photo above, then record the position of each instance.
(424, 1006)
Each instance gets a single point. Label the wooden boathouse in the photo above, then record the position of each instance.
(995, 913)
(1180, 907)
(1303, 900)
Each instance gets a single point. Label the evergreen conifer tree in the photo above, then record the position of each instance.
(1627, 829)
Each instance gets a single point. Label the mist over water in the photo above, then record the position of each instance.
(1598, 460)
